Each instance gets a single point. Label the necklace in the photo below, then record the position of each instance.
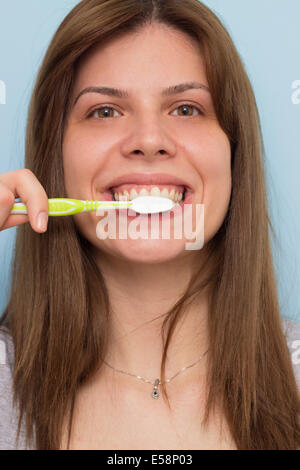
(157, 382)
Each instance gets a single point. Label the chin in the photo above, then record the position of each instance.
(144, 251)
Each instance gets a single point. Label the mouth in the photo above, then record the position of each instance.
(130, 186)
(129, 192)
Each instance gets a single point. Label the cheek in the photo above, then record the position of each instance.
(215, 170)
(80, 157)
(72, 151)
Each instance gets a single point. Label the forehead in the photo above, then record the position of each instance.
(156, 54)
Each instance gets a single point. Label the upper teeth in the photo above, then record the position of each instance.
(176, 196)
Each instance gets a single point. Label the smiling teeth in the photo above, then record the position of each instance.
(176, 196)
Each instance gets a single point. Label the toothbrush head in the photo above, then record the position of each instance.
(151, 204)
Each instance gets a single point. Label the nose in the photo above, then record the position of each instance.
(149, 140)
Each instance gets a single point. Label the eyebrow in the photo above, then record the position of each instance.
(171, 90)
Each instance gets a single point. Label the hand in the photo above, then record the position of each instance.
(23, 184)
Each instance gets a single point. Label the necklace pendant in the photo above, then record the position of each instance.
(155, 393)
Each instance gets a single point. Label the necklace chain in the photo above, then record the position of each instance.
(156, 381)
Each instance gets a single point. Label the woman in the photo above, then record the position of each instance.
(85, 313)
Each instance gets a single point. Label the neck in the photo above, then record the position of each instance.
(140, 295)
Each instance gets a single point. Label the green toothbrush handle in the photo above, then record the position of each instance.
(60, 207)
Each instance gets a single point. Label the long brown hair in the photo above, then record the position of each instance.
(58, 309)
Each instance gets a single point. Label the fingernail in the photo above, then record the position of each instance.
(42, 221)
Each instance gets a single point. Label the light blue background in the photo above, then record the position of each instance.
(266, 33)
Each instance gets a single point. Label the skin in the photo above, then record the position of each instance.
(145, 278)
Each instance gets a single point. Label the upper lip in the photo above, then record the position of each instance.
(147, 179)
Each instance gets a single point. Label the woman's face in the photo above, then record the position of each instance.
(146, 132)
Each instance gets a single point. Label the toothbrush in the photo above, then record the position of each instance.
(66, 206)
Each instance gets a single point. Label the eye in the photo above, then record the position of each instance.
(186, 106)
(100, 108)
(91, 114)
